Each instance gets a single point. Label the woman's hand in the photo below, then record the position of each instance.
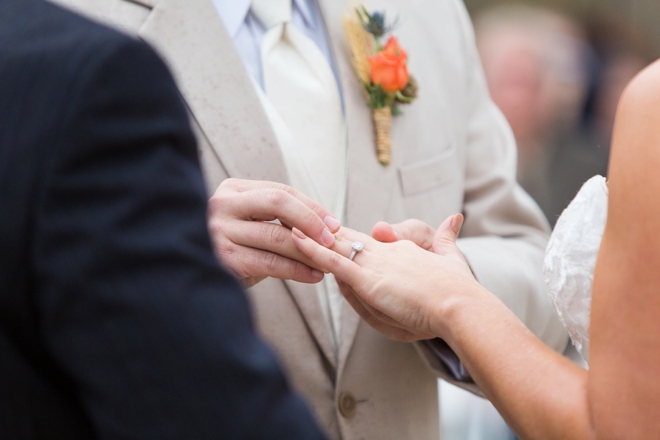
(399, 288)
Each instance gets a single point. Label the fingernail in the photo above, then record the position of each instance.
(396, 234)
(331, 222)
(456, 224)
(327, 237)
(317, 274)
(298, 233)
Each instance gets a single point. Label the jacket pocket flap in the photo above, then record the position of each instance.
(428, 173)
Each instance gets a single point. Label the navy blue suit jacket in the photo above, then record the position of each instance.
(116, 320)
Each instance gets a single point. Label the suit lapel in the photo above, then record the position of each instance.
(222, 99)
(216, 87)
(369, 184)
(306, 297)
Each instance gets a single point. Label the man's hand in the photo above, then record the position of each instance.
(249, 243)
(413, 230)
(420, 233)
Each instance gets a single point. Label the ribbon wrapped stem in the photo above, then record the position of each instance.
(383, 124)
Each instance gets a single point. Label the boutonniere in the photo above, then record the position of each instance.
(383, 72)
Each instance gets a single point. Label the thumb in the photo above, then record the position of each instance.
(444, 241)
(413, 230)
(385, 233)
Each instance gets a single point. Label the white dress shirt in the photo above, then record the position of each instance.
(247, 31)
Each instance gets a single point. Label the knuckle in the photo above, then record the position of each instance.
(227, 254)
(277, 236)
(234, 258)
(410, 225)
(288, 189)
(216, 228)
(446, 240)
(230, 182)
(312, 220)
(420, 226)
(218, 243)
(300, 271)
(336, 259)
(226, 249)
(276, 197)
(215, 202)
(271, 262)
(219, 202)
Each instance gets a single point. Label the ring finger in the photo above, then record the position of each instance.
(349, 248)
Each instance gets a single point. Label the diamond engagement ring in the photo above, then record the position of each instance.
(356, 247)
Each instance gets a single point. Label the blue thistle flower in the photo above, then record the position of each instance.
(375, 23)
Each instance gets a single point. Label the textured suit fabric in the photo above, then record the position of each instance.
(453, 152)
(116, 320)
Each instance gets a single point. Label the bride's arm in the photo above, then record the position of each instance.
(399, 288)
(624, 380)
(541, 394)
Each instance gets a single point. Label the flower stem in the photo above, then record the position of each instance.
(379, 45)
(383, 123)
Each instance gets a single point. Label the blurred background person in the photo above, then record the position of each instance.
(537, 63)
(558, 78)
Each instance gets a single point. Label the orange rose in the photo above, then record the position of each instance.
(388, 67)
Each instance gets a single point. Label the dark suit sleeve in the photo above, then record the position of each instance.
(132, 303)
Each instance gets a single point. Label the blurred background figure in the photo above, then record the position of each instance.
(556, 69)
(536, 63)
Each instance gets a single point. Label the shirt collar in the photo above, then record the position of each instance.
(234, 12)
(305, 8)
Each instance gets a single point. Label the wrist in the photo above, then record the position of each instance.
(456, 312)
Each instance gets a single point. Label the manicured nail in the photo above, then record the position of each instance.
(317, 274)
(327, 237)
(298, 233)
(331, 222)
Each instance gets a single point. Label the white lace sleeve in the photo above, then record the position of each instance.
(571, 259)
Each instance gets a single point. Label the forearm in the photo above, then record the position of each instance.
(511, 270)
(540, 394)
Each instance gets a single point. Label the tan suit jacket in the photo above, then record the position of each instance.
(454, 152)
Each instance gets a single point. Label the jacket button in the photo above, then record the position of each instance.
(347, 405)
